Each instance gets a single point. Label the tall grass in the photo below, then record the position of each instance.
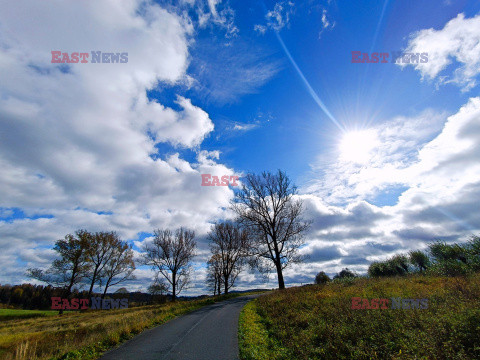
(317, 322)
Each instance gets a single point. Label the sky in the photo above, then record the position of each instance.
(385, 155)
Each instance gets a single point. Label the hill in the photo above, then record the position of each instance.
(318, 321)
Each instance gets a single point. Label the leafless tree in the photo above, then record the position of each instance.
(230, 243)
(119, 267)
(171, 256)
(266, 206)
(101, 248)
(214, 274)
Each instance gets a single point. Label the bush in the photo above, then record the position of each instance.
(419, 260)
(449, 268)
(322, 278)
(345, 273)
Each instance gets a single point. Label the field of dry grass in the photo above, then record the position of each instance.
(86, 335)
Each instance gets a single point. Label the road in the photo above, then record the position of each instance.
(209, 333)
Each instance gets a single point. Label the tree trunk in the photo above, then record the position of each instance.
(105, 291)
(174, 286)
(94, 278)
(281, 283)
(226, 285)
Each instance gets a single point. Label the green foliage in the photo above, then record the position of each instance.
(322, 278)
(441, 259)
(345, 273)
(419, 260)
(318, 322)
(441, 251)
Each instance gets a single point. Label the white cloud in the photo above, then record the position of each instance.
(217, 13)
(260, 28)
(79, 140)
(458, 41)
(245, 127)
(326, 23)
(441, 174)
(278, 17)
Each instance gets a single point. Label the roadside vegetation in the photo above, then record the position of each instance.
(318, 322)
(82, 335)
(12, 314)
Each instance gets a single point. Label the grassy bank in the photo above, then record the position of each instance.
(87, 335)
(317, 322)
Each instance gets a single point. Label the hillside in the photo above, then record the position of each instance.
(318, 322)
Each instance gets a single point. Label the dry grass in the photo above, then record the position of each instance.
(86, 335)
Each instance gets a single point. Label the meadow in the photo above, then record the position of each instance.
(318, 322)
(38, 335)
(14, 314)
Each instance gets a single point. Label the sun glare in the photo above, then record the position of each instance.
(357, 146)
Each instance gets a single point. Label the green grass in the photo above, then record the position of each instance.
(14, 314)
(317, 322)
(85, 335)
(254, 341)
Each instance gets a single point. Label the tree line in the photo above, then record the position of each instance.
(266, 234)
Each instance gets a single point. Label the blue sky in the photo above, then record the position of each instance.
(385, 156)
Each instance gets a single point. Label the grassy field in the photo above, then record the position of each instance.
(317, 322)
(86, 335)
(13, 314)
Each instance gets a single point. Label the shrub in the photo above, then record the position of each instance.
(322, 278)
(345, 273)
(419, 260)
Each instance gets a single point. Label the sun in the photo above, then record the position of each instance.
(357, 146)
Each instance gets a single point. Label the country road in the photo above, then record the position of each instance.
(209, 333)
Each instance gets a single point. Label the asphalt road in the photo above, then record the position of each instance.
(209, 333)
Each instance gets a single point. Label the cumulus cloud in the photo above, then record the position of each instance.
(441, 174)
(457, 44)
(77, 142)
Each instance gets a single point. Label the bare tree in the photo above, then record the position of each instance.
(266, 207)
(229, 242)
(120, 266)
(72, 266)
(214, 274)
(158, 288)
(171, 256)
(100, 251)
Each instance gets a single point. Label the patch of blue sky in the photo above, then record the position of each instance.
(388, 197)
(9, 215)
